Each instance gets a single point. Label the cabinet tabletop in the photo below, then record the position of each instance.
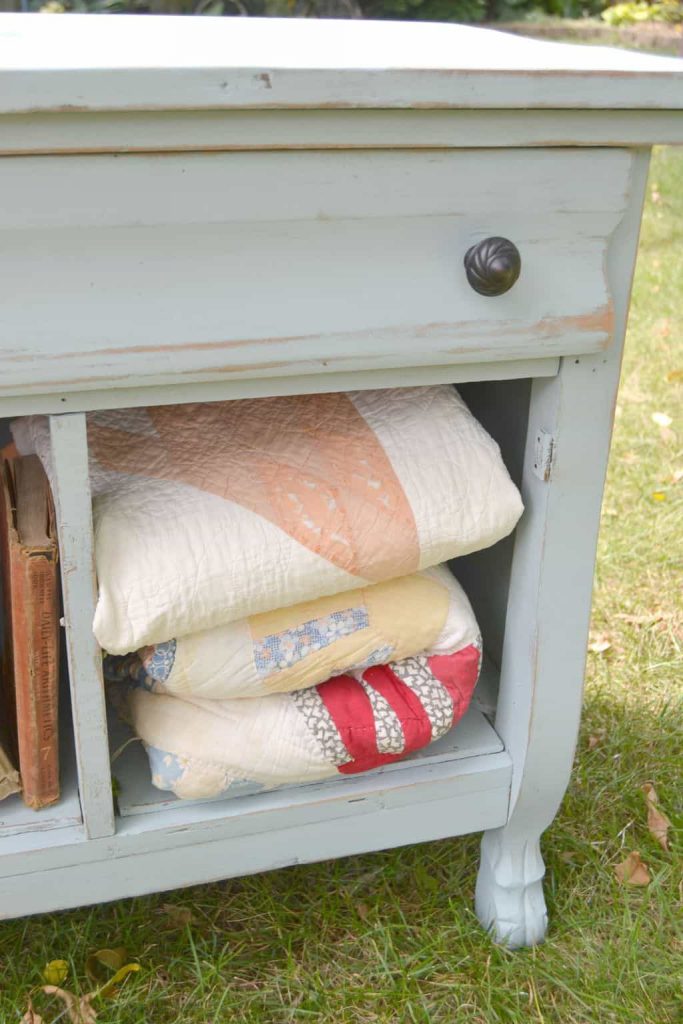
(87, 63)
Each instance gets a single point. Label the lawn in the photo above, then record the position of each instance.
(391, 937)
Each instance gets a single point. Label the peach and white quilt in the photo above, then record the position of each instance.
(210, 513)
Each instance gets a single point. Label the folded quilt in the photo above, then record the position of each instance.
(303, 645)
(209, 513)
(368, 716)
(203, 748)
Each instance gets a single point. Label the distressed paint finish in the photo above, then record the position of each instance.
(266, 385)
(187, 276)
(74, 522)
(199, 843)
(164, 283)
(177, 63)
(235, 130)
(546, 636)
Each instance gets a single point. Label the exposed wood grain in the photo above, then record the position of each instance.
(360, 255)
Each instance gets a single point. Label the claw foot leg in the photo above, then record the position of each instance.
(509, 899)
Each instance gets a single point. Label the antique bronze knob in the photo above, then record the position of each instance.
(493, 266)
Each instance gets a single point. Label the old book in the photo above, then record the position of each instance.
(31, 647)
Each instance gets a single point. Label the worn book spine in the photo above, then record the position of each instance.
(31, 645)
(35, 643)
(8, 705)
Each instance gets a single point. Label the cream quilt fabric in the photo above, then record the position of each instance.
(207, 514)
(366, 716)
(293, 648)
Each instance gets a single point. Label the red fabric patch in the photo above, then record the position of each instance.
(351, 711)
(459, 673)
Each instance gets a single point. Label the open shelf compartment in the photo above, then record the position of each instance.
(473, 736)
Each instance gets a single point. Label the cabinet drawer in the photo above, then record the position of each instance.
(137, 270)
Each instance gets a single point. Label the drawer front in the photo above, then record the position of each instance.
(130, 270)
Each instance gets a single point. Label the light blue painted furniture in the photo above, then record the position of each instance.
(220, 208)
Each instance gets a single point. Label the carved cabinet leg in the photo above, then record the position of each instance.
(548, 610)
(509, 899)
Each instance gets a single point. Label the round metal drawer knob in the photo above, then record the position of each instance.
(493, 266)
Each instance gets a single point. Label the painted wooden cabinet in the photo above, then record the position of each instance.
(210, 209)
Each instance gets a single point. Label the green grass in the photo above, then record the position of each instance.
(391, 937)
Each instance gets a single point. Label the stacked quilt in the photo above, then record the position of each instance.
(271, 596)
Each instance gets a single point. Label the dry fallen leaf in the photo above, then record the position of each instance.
(568, 856)
(632, 871)
(664, 329)
(177, 917)
(595, 740)
(599, 643)
(78, 1008)
(674, 375)
(655, 195)
(641, 620)
(31, 1017)
(362, 910)
(657, 822)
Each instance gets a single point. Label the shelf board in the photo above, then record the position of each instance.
(471, 737)
(17, 818)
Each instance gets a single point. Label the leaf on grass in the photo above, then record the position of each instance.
(662, 419)
(55, 972)
(595, 740)
(632, 871)
(78, 1008)
(674, 375)
(658, 496)
(31, 1017)
(657, 822)
(599, 643)
(114, 984)
(642, 620)
(677, 476)
(362, 909)
(177, 917)
(664, 329)
(107, 968)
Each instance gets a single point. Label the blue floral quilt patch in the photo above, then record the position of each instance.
(280, 650)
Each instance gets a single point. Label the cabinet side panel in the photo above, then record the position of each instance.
(502, 407)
